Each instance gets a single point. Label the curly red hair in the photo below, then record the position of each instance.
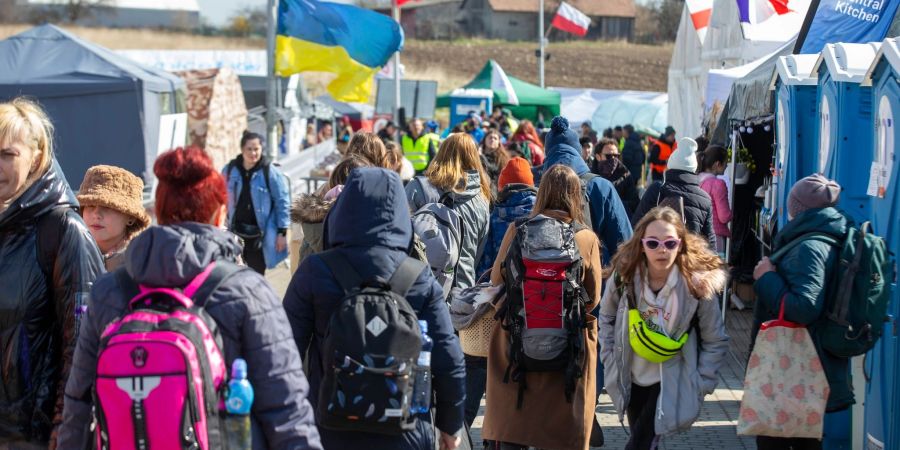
(189, 188)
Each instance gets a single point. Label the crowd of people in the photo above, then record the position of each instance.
(592, 280)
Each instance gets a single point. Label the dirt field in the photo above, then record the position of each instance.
(571, 64)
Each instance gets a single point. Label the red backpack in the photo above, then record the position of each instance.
(544, 311)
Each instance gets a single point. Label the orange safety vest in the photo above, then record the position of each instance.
(665, 151)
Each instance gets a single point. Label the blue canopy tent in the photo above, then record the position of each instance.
(105, 108)
(845, 123)
(882, 424)
(795, 130)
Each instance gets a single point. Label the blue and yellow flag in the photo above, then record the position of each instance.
(349, 41)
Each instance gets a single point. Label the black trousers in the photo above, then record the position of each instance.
(476, 382)
(641, 411)
(774, 443)
(253, 255)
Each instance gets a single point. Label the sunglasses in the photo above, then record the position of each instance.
(653, 244)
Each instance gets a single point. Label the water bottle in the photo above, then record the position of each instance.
(237, 403)
(421, 400)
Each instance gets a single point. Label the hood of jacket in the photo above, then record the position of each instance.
(47, 192)
(829, 220)
(310, 208)
(682, 177)
(471, 190)
(371, 211)
(562, 147)
(709, 283)
(515, 194)
(173, 255)
(239, 163)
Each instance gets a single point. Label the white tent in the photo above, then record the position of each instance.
(725, 46)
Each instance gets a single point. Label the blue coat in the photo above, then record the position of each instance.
(273, 209)
(514, 202)
(370, 225)
(607, 212)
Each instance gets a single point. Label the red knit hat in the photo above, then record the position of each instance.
(517, 170)
(190, 189)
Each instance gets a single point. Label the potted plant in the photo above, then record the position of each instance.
(745, 166)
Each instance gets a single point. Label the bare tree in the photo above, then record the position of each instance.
(657, 21)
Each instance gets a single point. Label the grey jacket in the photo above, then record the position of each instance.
(689, 375)
(475, 212)
(250, 317)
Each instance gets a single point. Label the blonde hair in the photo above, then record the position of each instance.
(23, 120)
(693, 256)
(560, 190)
(458, 154)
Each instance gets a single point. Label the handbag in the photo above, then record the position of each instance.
(785, 389)
(246, 231)
(478, 326)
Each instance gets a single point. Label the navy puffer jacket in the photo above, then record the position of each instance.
(250, 318)
(370, 225)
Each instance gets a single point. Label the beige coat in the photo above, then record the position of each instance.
(546, 420)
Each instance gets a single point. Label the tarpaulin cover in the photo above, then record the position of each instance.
(532, 99)
(105, 107)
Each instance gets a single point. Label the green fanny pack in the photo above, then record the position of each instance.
(649, 344)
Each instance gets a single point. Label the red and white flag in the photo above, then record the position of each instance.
(571, 20)
(700, 11)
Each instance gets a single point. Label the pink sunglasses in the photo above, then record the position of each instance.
(653, 244)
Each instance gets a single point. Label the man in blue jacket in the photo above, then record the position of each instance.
(370, 225)
(608, 216)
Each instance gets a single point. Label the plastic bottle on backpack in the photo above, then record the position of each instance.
(237, 403)
(421, 400)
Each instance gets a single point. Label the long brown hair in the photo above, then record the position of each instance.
(560, 190)
(499, 154)
(458, 154)
(694, 255)
(527, 132)
(369, 146)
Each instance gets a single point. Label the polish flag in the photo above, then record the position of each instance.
(700, 11)
(571, 20)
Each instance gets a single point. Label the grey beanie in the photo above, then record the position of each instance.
(814, 191)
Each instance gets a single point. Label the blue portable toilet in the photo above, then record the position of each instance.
(795, 125)
(845, 122)
(465, 101)
(882, 424)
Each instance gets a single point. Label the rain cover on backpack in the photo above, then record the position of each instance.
(545, 306)
(160, 369)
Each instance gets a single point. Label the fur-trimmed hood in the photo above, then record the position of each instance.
(310, 208)
(707, 284)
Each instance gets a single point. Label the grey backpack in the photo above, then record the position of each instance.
(440, 228)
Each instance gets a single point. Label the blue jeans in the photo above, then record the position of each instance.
(476, 382)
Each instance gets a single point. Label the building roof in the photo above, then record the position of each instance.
(593, 8)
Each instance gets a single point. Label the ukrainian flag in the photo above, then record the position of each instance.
(352, 42)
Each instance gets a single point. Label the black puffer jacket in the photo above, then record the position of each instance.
(250, 318)
(697, 204)
(39, 311)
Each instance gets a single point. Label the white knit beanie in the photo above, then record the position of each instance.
(685, 156)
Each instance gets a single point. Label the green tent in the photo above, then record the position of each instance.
(533, 100)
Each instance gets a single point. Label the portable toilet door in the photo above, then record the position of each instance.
(845, 122)
(795, 125)
(882, 425)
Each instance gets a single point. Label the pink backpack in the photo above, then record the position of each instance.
(160, 371)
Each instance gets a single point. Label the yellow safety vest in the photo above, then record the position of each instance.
(416, 151)
(436, 138)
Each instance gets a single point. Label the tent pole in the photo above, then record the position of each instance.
(734, 152)
(271, 81)
(542, 39)
(395, 11)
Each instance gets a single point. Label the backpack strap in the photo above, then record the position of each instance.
(406, 275)
(199, 289)
(817, 236)
(343, 271)
(845, 288)
(50, 229)
(586, 207)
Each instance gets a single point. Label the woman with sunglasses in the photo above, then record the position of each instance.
(662, 338)
(608, 164)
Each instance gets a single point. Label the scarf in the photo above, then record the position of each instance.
(659, 311)
(607, 167)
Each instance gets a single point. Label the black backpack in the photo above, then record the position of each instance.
(586, 200)
(370, 351)
(545, 311)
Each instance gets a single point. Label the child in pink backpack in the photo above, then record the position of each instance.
(713, 162)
